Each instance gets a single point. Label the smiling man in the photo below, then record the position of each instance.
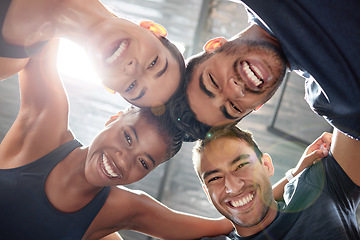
(319, 203)
(232, 78)
(254, 70)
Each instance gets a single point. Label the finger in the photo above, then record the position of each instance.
(317, 155)
(327, 140)
(317, 144)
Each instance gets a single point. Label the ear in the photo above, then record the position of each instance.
(214, 44)
(155, 28)
(258, 108)
(267, 163)
(206, 192)
(113, 118)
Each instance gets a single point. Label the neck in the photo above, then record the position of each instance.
(72, 171)
(266, 221)
(67, 188)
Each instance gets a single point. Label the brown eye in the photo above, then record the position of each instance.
(152, 64)
(213, 179)
(128, 138)
(241, 165)
(132, 85)
(143, 163)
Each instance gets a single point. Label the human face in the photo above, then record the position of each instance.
(232, 83)
(236, 181)
(125, 151)
(132, 61)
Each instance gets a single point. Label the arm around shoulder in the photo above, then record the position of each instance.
(346, 152)
(151, 217)
(313, 153)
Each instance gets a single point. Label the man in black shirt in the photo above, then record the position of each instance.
(319, 203)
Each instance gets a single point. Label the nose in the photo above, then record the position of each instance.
(131, 67)
(234, 89)
(123, 160)
(233, 184)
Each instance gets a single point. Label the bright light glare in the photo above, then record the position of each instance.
(74, 62)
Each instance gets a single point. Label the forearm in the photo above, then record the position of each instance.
(113, 236)
(11, 66)
(159, 221)
(185, 226)
(278, 189)
(313, 153)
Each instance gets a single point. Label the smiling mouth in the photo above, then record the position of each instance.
(108, 168)
(253, 73)
(117, 51)
(243, 201)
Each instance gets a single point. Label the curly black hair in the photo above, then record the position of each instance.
(170, 133)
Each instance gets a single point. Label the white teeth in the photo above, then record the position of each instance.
(117, 53)
(257, 70)
(108, 169)
(251, 75)
(242, 202)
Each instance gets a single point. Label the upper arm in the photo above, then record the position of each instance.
(135, 210)
(112, 236)
(153, 218)
(11, 66)
(41, 124)
(346, 152)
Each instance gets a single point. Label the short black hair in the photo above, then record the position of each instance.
(230, 131)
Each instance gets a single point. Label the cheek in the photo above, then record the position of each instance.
(111, 85)
(137, 175)
(159, 93)
(215, 195)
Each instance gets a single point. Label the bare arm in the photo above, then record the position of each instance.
(113, 236)
(11, 66)
(313, 153)
(346, 152)
(43, 109)
(155, 219)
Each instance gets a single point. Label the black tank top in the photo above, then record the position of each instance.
(25, 211)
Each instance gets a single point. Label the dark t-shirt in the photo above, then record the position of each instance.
(319, 204)
(321, 40)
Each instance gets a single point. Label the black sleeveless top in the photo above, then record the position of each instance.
(26, 212)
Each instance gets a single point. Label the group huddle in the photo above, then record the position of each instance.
(54, 187)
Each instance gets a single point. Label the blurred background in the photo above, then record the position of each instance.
(283, 127)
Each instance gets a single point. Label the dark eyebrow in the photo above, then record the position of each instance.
(206, 174)
(203, 87)
(238, 158)
(162, 71)
(226, 114)
(135, 133)
(151, 158)
(142, 93)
